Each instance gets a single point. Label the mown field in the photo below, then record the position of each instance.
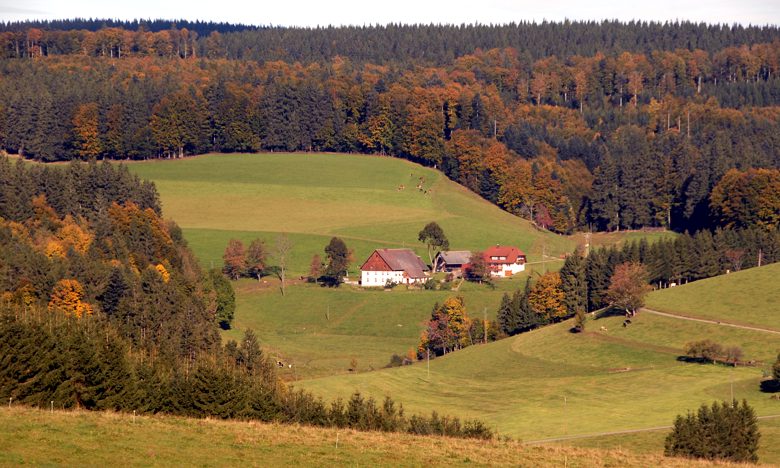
(748, 297)
(313, 197)
(40, 438)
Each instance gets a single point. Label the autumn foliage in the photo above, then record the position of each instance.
(67, 298)
(448, 328)
(628, 287)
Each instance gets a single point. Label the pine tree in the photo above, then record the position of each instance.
(527, 317)
(574, 283)
(115, 290)
(726, 431)
(507, 321)
(597, 274)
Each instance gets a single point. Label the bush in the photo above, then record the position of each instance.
(706, 350)
(721, 432)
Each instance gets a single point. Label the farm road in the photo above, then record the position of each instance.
(714, 322)
(600, 434)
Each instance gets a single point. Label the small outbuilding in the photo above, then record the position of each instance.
(400, 266)
(452, 261)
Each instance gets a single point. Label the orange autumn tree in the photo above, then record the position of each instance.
(85, 129)
(67, 298)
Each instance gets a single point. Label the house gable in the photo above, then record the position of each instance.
(375, 262)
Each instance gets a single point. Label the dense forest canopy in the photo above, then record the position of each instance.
(572, 125)
(424, 43)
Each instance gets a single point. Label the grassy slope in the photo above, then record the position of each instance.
(103, 439)
(316, 196)
(750, 297)
(320, 330)
(313, 197)
(550, 382)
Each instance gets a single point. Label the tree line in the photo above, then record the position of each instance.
(428, 44)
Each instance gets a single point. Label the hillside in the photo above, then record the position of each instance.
(551, 383)
(313, 197)
(748, 297)
(35, 437)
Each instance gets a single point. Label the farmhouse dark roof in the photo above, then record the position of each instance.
(510, 253)
(456, 257)
(404, 260)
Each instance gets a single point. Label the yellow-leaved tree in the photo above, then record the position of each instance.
(67, 298)
(547, 298)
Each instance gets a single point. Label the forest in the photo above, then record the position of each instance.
(600, 126)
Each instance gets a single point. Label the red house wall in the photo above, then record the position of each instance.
(375, 263)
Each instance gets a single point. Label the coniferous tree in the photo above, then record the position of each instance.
(720, 432)
(574, 283)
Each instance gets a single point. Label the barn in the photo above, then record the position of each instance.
(400, 266)
(504, 260)
(452, 261)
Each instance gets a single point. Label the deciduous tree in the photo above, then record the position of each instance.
(338, 261)
(67, 298)
(628, 287)
(256, 256)
(282, 249)
(546, 298)
(234, 258)
(432, 235)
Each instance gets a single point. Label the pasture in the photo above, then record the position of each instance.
(369, 201)
(747, 297)
(320, 330)
(552, 383)
(35, 437)
(542, 384)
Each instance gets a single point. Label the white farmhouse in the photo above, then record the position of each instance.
(401, 266)
(504, 260)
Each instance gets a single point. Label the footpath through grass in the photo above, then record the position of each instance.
(38, 438)
(747, 297)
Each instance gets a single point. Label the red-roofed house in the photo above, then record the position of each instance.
(504, 260)
(401, 266)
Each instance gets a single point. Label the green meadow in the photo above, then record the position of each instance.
(552, 383)
(747, 297)
(320, 330)
(313, 197)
